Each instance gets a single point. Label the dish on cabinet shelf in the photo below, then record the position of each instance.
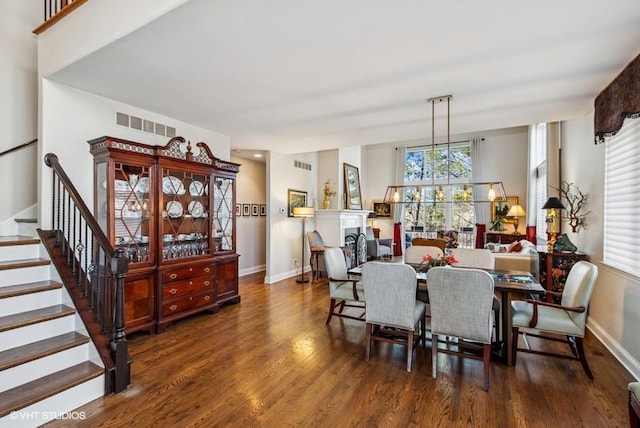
(174, 209)
(196, 209)
(172, 186)
(196, 188)
(142, 185)
(119, 185)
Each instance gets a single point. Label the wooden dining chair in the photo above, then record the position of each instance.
(393, 313)
(316, 248)
(461, 306)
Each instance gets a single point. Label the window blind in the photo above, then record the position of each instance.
(621, 201)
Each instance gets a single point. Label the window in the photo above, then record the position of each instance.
(539, 160)
(440, 199)
(621, 204)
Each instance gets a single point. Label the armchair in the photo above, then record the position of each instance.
(344, 292)
(377, 247)
(561, 323)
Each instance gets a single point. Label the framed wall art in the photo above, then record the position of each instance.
(255, 210)
(382, 209)
(246, 210)
(263, 210)
(295, 198)
(238, 210)
(352, 187)
(499, 209)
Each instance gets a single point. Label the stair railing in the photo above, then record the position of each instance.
(97, 272)
(18, 147)
(55, 10)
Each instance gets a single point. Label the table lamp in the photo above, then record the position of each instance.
(303, 213)
(552, 205)
(516, 212)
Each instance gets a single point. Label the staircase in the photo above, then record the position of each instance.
(48, 365)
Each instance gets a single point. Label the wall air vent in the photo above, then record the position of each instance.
(302, 165)
(144, 125)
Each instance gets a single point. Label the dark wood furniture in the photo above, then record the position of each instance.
(502, 238)
(554, 268)
(172, 211)
(634, 406)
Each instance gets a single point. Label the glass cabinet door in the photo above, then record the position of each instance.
(184, 204)
(223, 213)
(131, 208)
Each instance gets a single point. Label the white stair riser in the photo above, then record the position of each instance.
(24, 275)
(30, 302)
(28, 229)
(18, 252)
(61, 404)
(32, 333)
(32, 370)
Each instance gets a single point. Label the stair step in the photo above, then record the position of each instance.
(6, 241)
(24, 263)
(26, 220)
(32, 287)
(47, 386)
(22, 319)
(33, 351)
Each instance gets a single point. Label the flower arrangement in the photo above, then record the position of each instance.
(327, 190)
(429, 261)
(327, 194)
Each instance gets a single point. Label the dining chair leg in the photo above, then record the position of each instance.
(367, 347)
(434, 354)
(486, 359)
(514, 344)
(409, 350)
(634, 411)
(583, 357)
(423, 332)
(332, 306)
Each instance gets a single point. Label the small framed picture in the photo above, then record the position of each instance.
(382, 209)
(238, 210)
(296, 198)
(246, 210)
(263, 210)
(255, 210)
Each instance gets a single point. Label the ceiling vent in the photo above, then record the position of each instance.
(144, 125)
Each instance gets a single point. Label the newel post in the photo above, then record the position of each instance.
(119, 345)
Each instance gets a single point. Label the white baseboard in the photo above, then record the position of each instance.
(252, 270)
(620, 354)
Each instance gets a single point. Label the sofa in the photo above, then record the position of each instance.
(521, 255)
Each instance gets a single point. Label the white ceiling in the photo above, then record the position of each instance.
(304, 75)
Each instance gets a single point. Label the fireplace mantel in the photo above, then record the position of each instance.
(332, 224)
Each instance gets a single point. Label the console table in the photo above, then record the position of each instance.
(502, 238)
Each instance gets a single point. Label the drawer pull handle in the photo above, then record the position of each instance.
(190, 269)
(207, 269)
(173, 307)
(173, 276)
(206, 283)
(206, 298)
(173, 291)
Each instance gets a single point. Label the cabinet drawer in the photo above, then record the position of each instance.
(186, 273)
(182, 288)
(186, 303)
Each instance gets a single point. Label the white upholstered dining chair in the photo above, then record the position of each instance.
(461, 306)
(564, 322)
(345, 292)
(393, 313)
(413, 255)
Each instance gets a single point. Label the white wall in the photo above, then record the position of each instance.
(613, 313)
(284, 234)
(250, 230)
(70, 117)
(18, 104)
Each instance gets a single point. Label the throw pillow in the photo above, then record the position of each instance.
(514, 247)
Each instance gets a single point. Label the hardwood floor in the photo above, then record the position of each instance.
(271, 361)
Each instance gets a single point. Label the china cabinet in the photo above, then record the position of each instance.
(554, 269)
(170, 208)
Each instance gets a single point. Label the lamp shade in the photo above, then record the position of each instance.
(303, 211)
(553, 202)
(516, 211)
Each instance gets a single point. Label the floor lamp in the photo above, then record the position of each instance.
(303, 213)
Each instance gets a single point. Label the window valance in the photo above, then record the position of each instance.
(618, 101)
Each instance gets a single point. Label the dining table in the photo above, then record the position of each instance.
(508, 285)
